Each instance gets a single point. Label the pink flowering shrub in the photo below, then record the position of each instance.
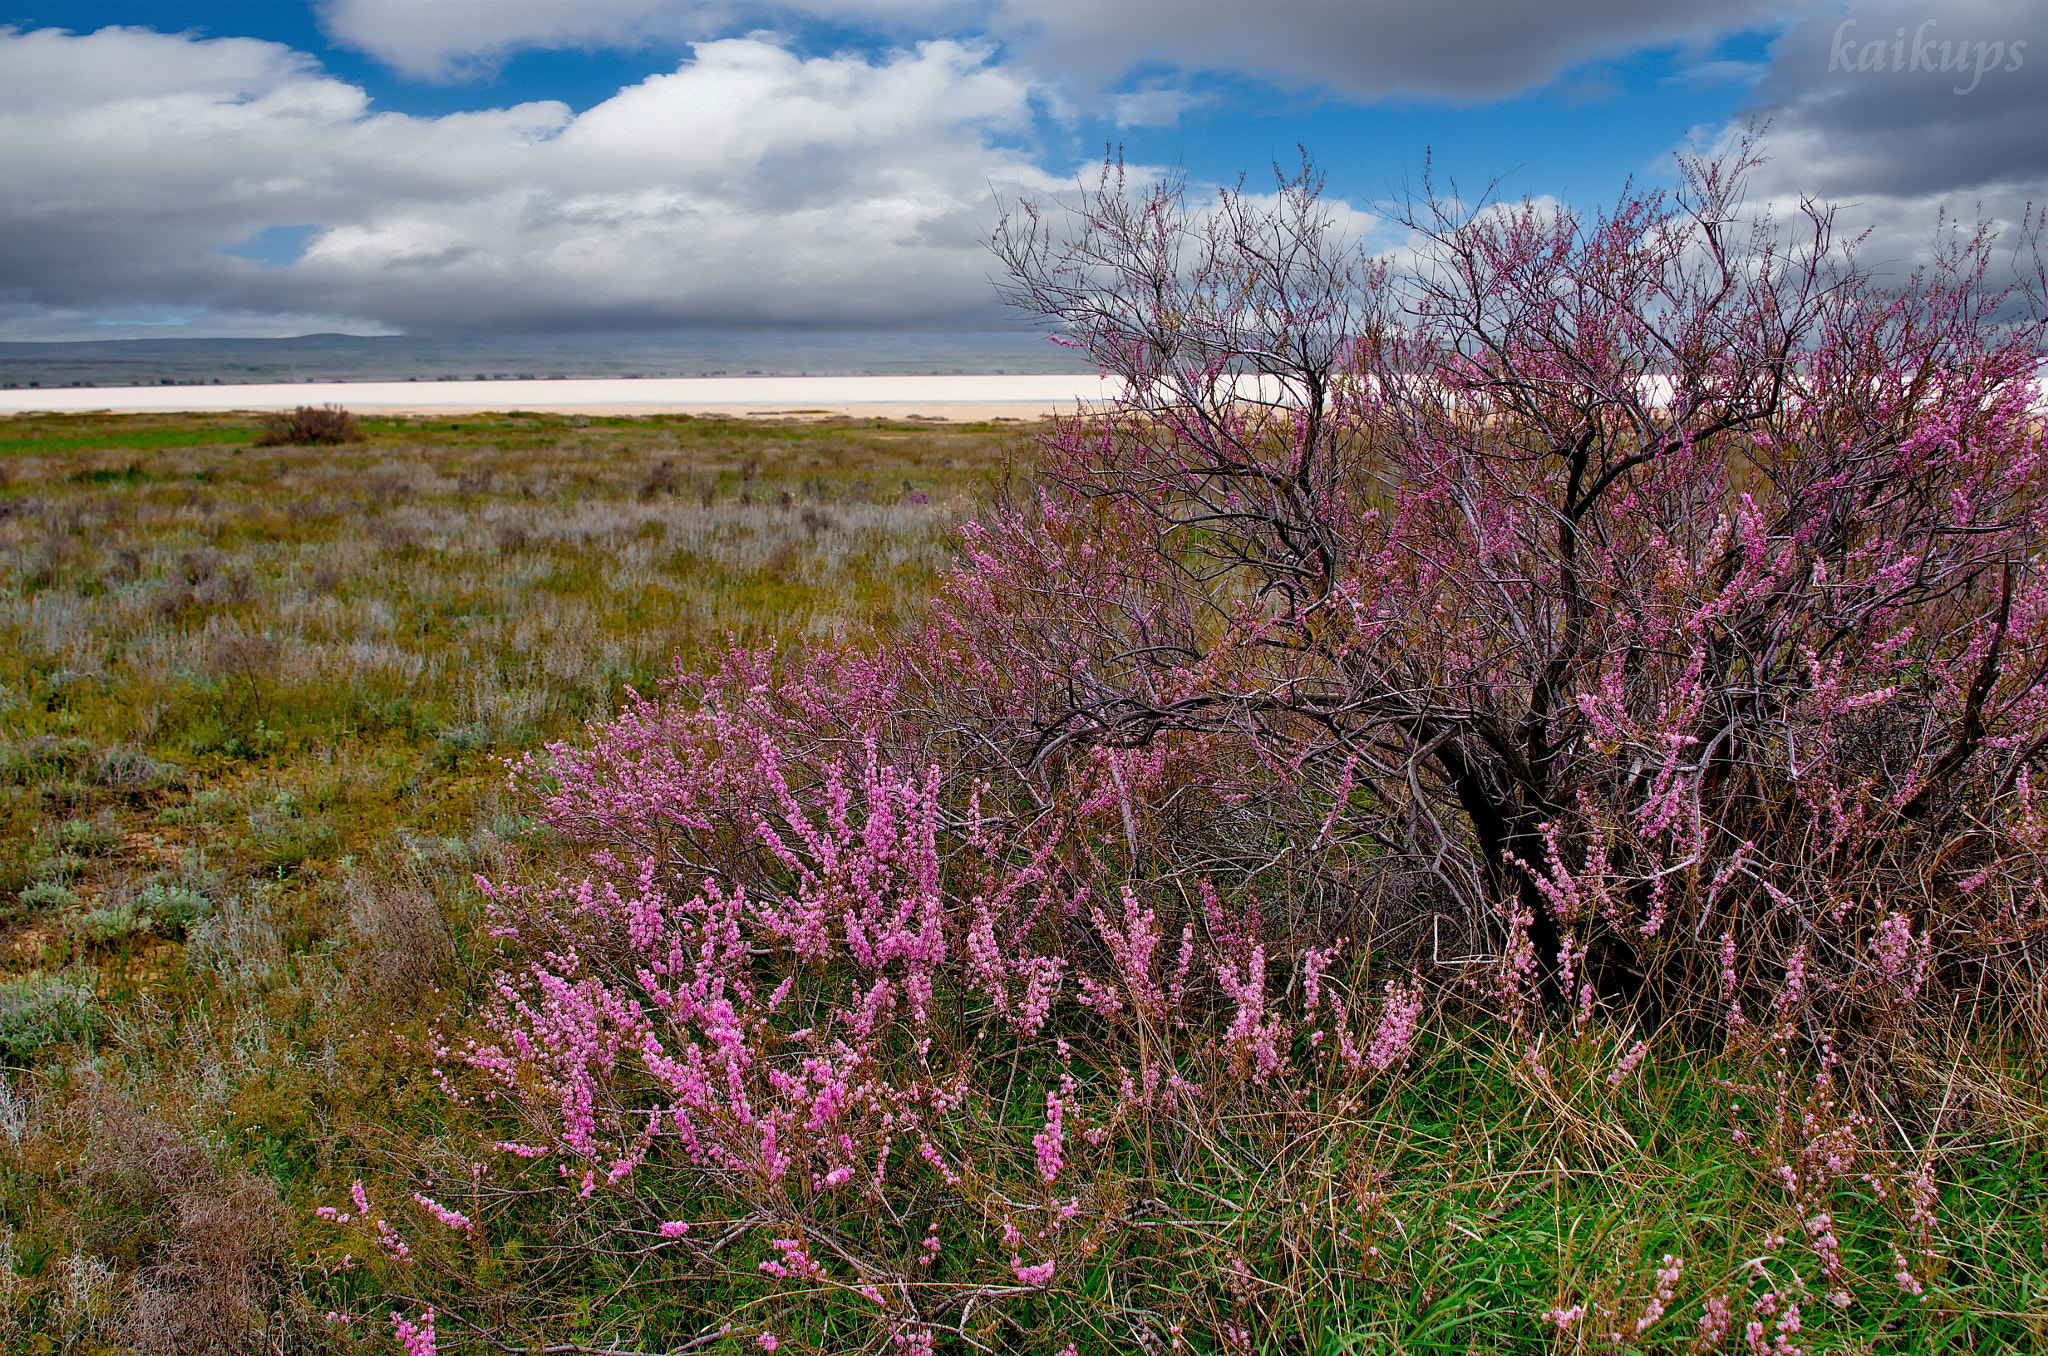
(1666, 588)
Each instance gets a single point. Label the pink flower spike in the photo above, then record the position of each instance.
(453, 1219)
(1626, 1065)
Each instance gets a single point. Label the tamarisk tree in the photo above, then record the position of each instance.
(1664, 582)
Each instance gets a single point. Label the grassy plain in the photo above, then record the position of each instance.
(250, 703)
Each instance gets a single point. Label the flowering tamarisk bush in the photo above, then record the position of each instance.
(1665, 585)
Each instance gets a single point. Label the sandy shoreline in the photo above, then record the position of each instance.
(952, 398)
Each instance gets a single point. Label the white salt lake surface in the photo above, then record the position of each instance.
(949, 397)
(1011, 396)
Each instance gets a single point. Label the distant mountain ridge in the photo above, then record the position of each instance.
(348, 357)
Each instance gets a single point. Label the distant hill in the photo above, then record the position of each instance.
(349, 357)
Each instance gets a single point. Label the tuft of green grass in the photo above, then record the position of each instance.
(1507, 1197)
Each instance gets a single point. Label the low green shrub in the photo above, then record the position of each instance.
(57, 866)
(41, 1009)
(170, 909)
(88, 837)
(207, 806)
(283, 846)
(458, 743)
(64, 793)
(131, 770)
(47, 894)
(104, 926)
(49, 755)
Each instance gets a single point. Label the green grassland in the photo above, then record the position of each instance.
(253, 703)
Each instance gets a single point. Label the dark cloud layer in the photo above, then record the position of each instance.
(1902, 145)
(1452, 49)
(1461, 49)
(1865, 99)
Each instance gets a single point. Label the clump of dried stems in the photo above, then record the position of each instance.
(308, 425)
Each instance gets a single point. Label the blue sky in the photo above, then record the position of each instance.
(1583, 132)
(270, 167)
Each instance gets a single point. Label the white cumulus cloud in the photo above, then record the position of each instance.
(752, 185)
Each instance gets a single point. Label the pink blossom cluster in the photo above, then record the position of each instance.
(416, 1338)
(1661, 1296)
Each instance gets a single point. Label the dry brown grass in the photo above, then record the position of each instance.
(403, 945)
(203, 1244)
